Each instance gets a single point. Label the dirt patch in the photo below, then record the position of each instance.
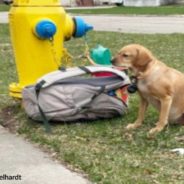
(8, 119)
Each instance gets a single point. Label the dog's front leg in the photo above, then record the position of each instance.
(142, 109)
(164, 114)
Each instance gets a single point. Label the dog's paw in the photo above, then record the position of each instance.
(154, 131)
(132, 126)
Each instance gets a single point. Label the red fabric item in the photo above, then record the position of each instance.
(102, 74)
(120, 93)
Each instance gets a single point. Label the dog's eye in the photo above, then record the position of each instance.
(125, 55)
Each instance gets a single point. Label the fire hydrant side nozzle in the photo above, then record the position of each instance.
(76, 27)
(81, 27)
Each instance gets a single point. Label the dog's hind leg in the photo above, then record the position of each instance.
(164, 114)
(180, 121)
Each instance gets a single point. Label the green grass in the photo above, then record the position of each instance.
(103, 149)
(4, 7)
(162, 10)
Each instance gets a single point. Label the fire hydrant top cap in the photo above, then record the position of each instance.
(45, 29)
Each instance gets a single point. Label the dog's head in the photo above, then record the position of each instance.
(134, 56)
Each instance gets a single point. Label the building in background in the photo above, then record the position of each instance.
(109, 2)
(118, 2)
(85, 2)
(68, 3)
(179, 1)
(77, 2)
(90, 2)
(140, 3)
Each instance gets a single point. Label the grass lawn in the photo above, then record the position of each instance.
(103, 149)
(162, 10)
(4, 7)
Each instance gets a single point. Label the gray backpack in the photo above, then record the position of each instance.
(71, 95)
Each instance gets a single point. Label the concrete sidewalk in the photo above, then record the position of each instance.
(130, 24)
(20, 158)
(3, 17)
(136, 24)
(88, 7)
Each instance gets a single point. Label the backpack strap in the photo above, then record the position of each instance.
(85, 69)
(100, 91)
(38, 87)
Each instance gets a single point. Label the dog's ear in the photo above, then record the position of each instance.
(143, 58)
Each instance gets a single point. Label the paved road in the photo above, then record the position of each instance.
(130, 24)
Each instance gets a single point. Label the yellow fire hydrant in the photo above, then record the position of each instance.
(38, 29)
